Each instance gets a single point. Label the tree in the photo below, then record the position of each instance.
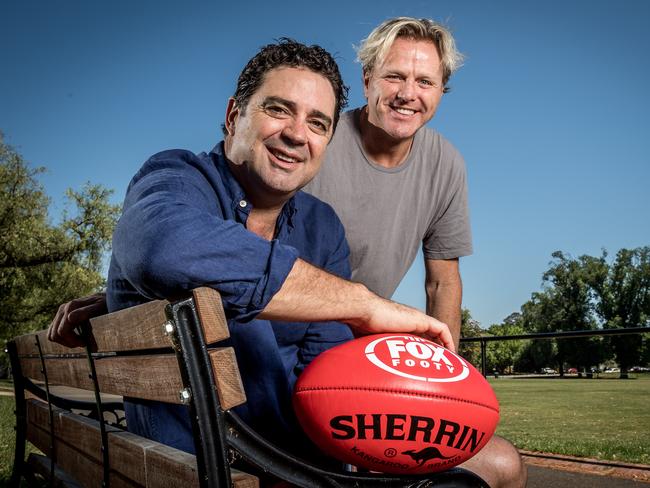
(623, 293)
(537, 316)
(42, 264)
(572, 300)
(502, 355)
(469, 327)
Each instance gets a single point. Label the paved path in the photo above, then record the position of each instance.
(539, 477)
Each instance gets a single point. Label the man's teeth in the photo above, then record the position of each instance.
(284, 157)
(404, 111)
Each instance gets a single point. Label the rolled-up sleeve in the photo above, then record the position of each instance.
(173, 236)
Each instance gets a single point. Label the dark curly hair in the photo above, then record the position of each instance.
(290, 53)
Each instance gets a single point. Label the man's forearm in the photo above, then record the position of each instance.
(444, 291)
(310, 294)
(444, 304)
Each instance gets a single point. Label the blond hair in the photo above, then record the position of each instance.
(374, 48)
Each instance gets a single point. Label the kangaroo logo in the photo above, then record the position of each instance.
(426, 454)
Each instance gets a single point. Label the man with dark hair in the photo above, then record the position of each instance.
(235, 220)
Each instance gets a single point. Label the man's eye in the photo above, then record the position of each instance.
(426, 82)
(319, 127)
(274, 110)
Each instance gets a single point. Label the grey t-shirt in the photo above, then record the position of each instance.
(387, 213)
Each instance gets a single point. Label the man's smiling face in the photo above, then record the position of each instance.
(404, 91)
(277, 143)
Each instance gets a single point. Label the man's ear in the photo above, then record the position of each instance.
(366, 83)
(232, 114)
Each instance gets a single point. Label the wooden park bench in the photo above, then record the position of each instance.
(166, 352)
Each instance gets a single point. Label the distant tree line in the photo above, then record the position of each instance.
(43, 263)
(581, 293)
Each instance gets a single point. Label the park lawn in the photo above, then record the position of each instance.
(7, 434)
(602, 418)
(7, 422)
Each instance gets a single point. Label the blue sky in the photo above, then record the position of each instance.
(550, 110)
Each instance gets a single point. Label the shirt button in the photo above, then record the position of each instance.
(242, 203)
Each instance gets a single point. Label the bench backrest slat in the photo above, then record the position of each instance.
(149, 377)
(137, 328)
(135, 461)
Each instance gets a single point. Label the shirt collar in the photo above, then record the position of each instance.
(238, 197)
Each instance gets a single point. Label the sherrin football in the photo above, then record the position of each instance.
(396, 403)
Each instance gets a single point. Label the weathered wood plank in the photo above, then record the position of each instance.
(211, 314)
(26, 345)
(131, 329)
(40, 464)
(86, 470)
(137, 328)
(134, 460)
(228, 381)
(243, 480)
(150, 377)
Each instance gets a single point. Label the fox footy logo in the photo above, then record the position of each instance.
(416, 358)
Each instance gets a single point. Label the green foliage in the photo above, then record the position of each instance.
(470, 328)
(502, 355)
(42, 264)
(571, 299)
(623, 300)
(587, 293)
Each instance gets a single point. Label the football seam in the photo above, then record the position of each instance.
(404, 392)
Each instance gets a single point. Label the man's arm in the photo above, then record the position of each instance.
(308, 294)
(444, 292)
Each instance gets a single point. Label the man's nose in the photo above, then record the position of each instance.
(407, 90)
(296, 131)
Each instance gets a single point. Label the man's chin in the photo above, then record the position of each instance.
(400, 133)
(402, 129)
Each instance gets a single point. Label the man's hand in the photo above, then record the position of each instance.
(386, 316)
(73, 314)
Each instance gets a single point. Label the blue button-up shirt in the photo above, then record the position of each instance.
(184, 226)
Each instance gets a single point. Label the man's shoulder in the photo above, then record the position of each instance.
(172, 157)
(177, 161)
(428, 139)
(431, 145)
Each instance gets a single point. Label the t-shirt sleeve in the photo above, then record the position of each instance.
(449, 234)
(172, 238)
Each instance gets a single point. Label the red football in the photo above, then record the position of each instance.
(396, 403)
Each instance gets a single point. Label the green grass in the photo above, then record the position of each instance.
(7, 433)
(7, 423)
(601, 418)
